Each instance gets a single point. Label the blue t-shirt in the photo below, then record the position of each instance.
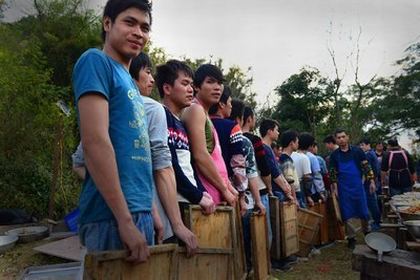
(97, 72)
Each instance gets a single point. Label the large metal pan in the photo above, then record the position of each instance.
(380, 243)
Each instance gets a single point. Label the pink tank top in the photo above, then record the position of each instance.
(218, 161)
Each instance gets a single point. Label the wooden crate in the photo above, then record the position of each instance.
(336, 229)
(309, 223)
(284, 226)
(322, 235)
(220, 230)
(260, 247)
(105, 265)
(213, 231)
(239, 249)
(206, 264)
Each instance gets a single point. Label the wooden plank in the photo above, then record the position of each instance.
(206, 264)
(289, 229)
(399, 264)
(112, 265)
(69, 248)
(336, 207)
(239, 247)
(308, 226)
(213, 231)
(260, 250)
(275, 228)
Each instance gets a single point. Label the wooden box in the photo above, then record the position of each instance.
(220, 230)
(309, 222)
(284, 225)
(260, 247)
(206, 264)
(105, 265)
(322, 235)
(336, 229)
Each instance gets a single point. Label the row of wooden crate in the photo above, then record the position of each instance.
(221, 254)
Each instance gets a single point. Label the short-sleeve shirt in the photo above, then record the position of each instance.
(98, 73)
(302, 164)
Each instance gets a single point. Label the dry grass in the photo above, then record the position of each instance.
(14, 261)
(333, 263)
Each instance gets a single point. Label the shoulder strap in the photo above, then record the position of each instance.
(391, 155)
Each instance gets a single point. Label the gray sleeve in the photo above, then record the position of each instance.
(78, 158)
(158, 134)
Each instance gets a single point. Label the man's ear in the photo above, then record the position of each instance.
(106, 23)
(166, 89)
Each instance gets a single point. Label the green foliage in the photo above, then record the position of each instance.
(37, 55)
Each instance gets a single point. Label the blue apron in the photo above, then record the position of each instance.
(351, 193)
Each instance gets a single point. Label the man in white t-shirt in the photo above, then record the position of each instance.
(303, 170)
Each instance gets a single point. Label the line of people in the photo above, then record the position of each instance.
(140, 158)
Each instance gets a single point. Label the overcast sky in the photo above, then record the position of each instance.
(277, 37)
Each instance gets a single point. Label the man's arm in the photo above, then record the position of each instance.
(254, 188)
(195, 121)
(166, 189)
(100, 160)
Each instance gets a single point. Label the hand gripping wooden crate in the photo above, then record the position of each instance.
(309, 222)
(110, 265)
(284, 225)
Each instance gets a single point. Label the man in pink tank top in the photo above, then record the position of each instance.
(204, 143)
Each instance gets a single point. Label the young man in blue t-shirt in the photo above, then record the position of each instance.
(116, 200)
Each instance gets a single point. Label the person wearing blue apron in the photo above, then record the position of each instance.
(348, 165)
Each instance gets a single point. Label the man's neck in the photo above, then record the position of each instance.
(218, 114)
(288, 151)
(345, 148)
(205, 106)
(172, 107)
(266, 140)
(245, 128)
(109, 51)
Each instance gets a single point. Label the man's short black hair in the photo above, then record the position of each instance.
(223, 99)
(266, 125)
(207, 70)
(287, 137)
(339, 130)
(274, 145)
(238, 107)
(306, 140)
(393, 142)
(167, 73)
(365, 141)
(138, 63)
(115, 7)
(248, 112)
(329, 139)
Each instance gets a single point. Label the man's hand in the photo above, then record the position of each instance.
(334, 189)
(260, 208)
(188, 238)
(229, 197)
(158, 226)
(232, 189)
(207, 204)
(134, 241)
(310, 201)
(242, 205)
(372, 187)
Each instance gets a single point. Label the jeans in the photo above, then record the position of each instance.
(372, 203)
(301, 199)
(266, 202)
(396, 191)
(104, 235)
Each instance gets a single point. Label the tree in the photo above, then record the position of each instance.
(305, 101)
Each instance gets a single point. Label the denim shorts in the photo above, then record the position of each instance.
(104, 235)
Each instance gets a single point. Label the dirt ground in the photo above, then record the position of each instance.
(333, 263)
